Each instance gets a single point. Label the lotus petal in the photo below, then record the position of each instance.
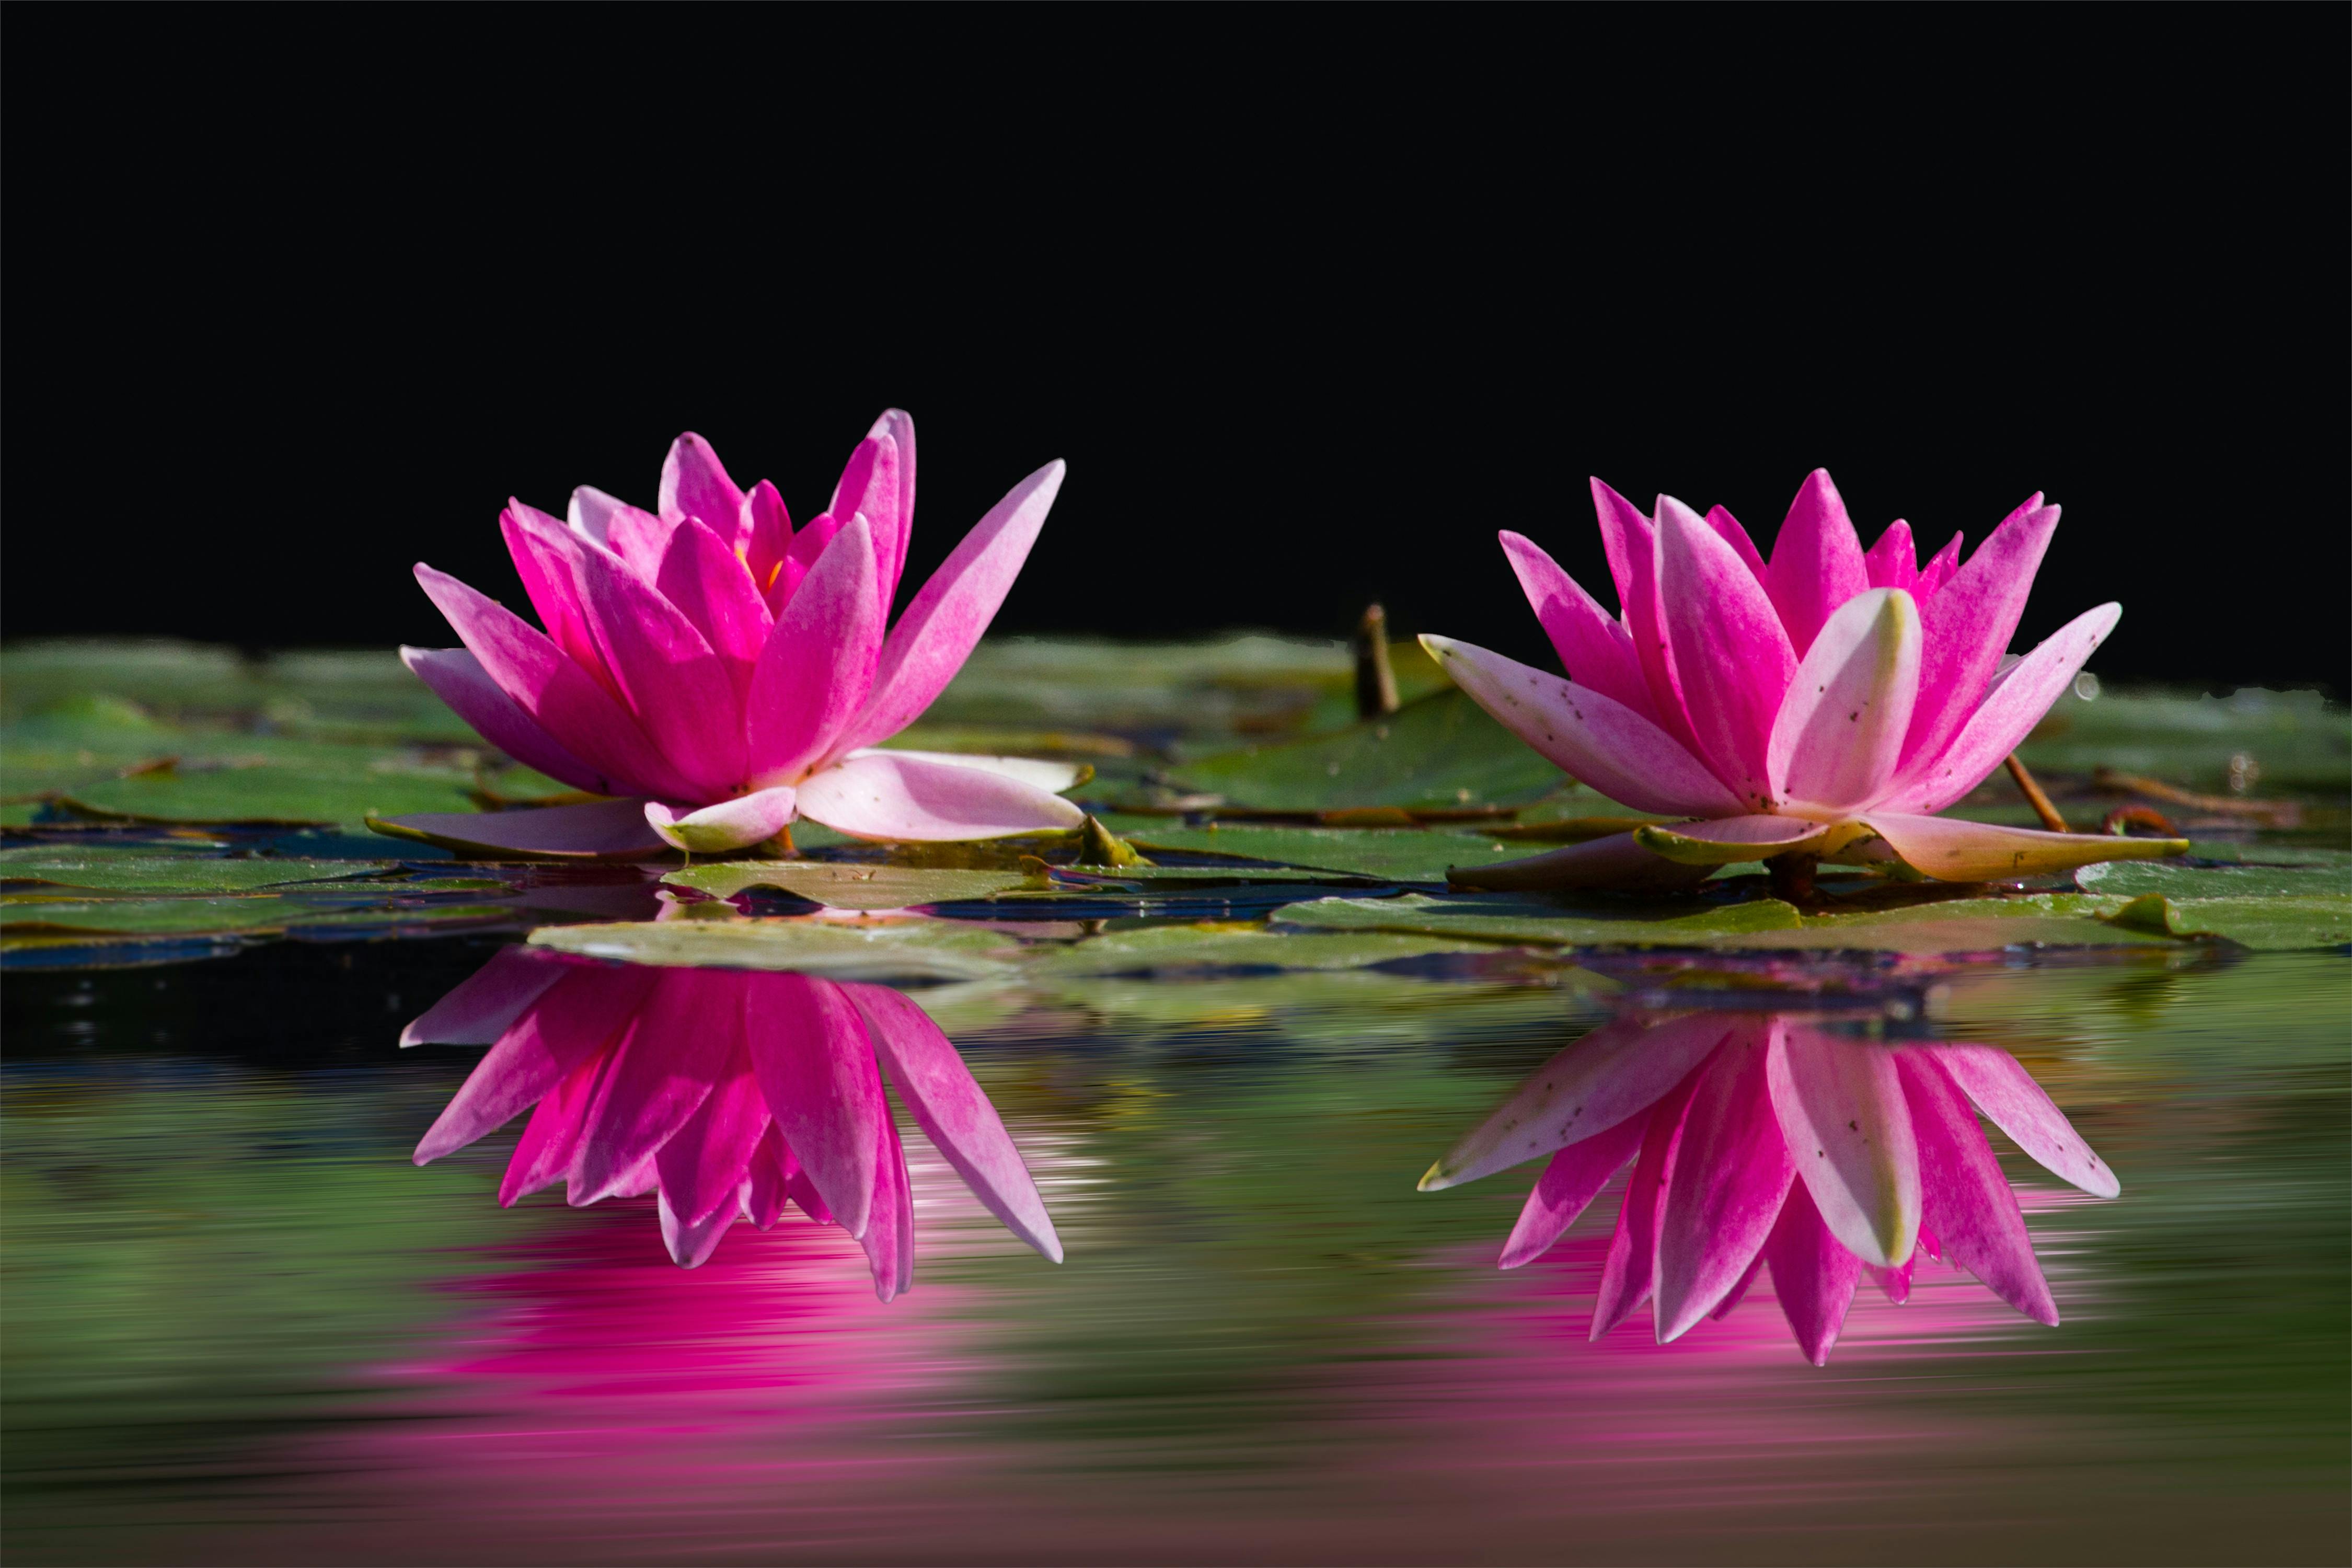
(2016, 700)
(601, 830)
(1739, 1292)
(591, 513)
(1817, 563)
(672, 1057)
(549, 1140)
(889, 1238)
(1813, 1275)
(1727, 529)
(1729, 840)
(735, 824)
(1624, 539)
(1955, 851)
(1630, 1270)
(1612, 1074)
(1594, 738)
(691, 1244)
(545, 552)
(684, 697)
(819, 660)
(771, 1171)
(704, 1164)
(1730, 655)
(555, 1031)
(1644, 613)
(1840, 729)
(1842, 1110)
(1615, 862)
(1892, 563)
(637, 540)
(1945, 561)
(868, 488)
(940, 629)
(765, 529)
(1596, 651)
(1568, 1186)
(899, 426)
(458, 677)
(1726, 1187)
(1051, 777)
(954, 1114)
(815, 1066)
(890, 795)
(486, 1003)
(712, 586)
(694, 483)
(2013, 1102)
(1969, 1204)
(1965, 628)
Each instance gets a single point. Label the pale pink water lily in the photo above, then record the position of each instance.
(725, 1094)
(1760, 1142)
(1827, 702)
(726, 673)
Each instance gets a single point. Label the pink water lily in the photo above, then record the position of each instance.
(1758, 1141)
(1827, 703)
(726, 674)
(724, 1094)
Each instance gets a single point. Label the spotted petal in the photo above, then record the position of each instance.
(1725, 1188)
(1595, 650)
(2020, 694)
(1839, 729)
(1953, 851)
(2019, 1107)
(1568, 1186)
(1732, 659)
(1842, 1109)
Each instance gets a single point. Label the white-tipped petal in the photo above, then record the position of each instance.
(1840, 729)
(735, 824)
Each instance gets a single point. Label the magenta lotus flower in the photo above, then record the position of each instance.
(729, 674)
(1758, 1139)
(1827, 703)
(724, 1093)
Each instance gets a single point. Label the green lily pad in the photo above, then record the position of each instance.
(2260, 871)
(1160, 950)
(2264, 924)
(322, 789)
(135, 872)
(847, 886)
(881, 950)
(1391, 854)
(1507, 920)
(258, 914)
(1443, 751)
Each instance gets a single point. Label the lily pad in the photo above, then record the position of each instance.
(846, 887)
(1391, 854)
(1508, 920)
(2261, 872)
(149, 873)
(332, 785)
(22, 916)
(1164, 949)
(882, 950)
(1441, 751)
(2264, 924)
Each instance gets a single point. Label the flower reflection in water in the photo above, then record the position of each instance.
(728, 1094)
(1760, 1140)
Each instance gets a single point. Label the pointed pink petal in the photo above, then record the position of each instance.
(1612, 1074)
(679, 1043)
(889, 1238)
(1817, 561)
(1892, 563)
(1630, 1273)
(899, 426)
(1598, 741)
(1813, 1275)
(1739, 1292)
(637, 540)
(2013, 1102)
(565, 1027)
(1568, 1186)
(1841, 728)
(801, 557)
(1953, 851)
(458, 677)
(1616, 863)
(1596, 651)
(706, 1161)
(815, 1067)
(1966, 625)
(1625, 539)
(591, 511)
(1729, 653)
(1945, 561)
(2019, 698)
(1727, 839)
(544, 551)
(712, 587)
(869, 487)
(486, 1003)
(557, 694)
(771, 1167)
(1727, 529)
(953, 1113)
(1730, 1173)
(890, 795)
(694, 483)
(1644, 618)
(730, 825)
(544, 1152)
(679, 689)
(819, 662)
(603, 830)
(939, 630)
(1842, 1110)
(1895, 1283)
(691, 1245)
(1968, 1201)
(765, 532)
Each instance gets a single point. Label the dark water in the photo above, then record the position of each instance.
(242, 1327)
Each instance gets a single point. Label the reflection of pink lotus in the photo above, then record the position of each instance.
(1826, 703)
(726, 1093)
(730, 674)
(1758, 1139)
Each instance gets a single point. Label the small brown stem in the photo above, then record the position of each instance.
(2035, 798)
(2148, 816)
(1792, 878)
(1376, 692)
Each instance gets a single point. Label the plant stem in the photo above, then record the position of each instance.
(2034, 797)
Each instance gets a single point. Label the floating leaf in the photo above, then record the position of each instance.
(2263, 872)
(1393, 854)
(846, 887)
(149, 873)
(2265, 924)
(1507, 919)
(1443, 751)
(1160, 950)
(910, 949)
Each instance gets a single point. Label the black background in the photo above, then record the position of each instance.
(1313, 300)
